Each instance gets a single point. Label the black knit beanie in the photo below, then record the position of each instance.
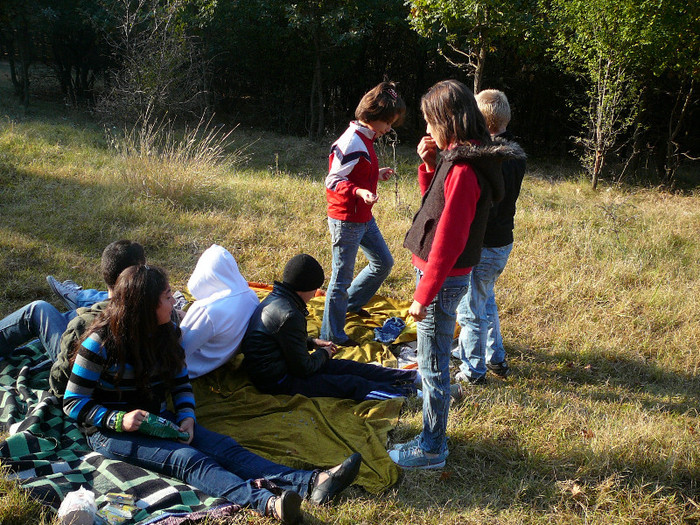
(303, 273)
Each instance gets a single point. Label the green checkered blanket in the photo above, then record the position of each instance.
(46, 453)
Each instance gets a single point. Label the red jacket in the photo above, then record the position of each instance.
(352, 165)
(461, 195)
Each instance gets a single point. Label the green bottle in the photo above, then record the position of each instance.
(160, 427)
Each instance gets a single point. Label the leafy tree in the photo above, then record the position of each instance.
(595, 39)
(671, 46)
(616, 46)
(158, 67)
(467, 31)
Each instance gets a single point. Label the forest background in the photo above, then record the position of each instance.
(613, 82)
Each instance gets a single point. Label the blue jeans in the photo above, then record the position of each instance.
(480, 340)
(87, 298)
(213, 463)
(346, 294)
(435, 334)
(37, 319)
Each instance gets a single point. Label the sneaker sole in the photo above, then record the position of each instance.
(423, 467)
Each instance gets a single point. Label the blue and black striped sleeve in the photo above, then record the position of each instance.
(78, 402)
(183, 396)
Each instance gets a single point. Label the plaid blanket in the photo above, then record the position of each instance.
(49, 456)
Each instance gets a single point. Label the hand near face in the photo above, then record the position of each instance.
(385, 173)
(427, 151)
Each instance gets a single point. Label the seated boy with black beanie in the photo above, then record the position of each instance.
(281, 358)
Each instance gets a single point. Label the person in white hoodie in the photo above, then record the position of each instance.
(216, 322)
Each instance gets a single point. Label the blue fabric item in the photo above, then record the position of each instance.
(391, 329)
(37, 319)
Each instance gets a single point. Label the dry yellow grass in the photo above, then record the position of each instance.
(599, 302)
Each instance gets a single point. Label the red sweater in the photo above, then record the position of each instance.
(352, 165)
(462, 192)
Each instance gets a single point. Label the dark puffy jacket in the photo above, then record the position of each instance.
(499, 229)
(276, 342)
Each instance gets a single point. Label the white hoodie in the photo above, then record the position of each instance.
(216, 322)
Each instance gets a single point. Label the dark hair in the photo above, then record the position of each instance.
(118, 256)
(382, 102)
(451, 110)
(130, 332)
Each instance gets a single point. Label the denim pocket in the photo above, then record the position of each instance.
(450, 297)
(345, 233)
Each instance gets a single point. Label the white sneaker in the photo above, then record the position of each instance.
(67, 291)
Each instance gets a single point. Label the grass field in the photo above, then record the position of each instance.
(599, 304)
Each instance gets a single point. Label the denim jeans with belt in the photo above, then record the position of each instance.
(37, 319)
(480, 340)
(346, 294)
(435, 335)
(213, 463)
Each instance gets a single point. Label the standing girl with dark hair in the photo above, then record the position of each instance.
(351, 191)
(129, 361)
(445, 240)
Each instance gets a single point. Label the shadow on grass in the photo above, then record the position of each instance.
(499, 462)
(611, 377)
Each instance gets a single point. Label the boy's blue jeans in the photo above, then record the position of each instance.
(346, 294)
(213, 463)
(435, 334)
(480, 340)
(87, 298)
(37, 319)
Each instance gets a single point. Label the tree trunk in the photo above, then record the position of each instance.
(24, 57)
(319, 92)
(675, 124)
(479, 69)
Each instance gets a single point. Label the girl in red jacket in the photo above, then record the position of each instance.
(351, 191)
(446, 239)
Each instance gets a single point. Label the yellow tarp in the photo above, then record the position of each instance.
(304, 432)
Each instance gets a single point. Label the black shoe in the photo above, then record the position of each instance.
(290, 509)
(501, 369)
(349, 342)
(337, 481)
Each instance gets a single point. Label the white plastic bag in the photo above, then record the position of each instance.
(78, 508)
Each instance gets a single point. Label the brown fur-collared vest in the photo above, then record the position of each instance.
(486, 162)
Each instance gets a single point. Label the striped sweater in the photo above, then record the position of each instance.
(93, 399)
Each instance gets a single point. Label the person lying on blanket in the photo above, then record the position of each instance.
(129, 361)
(42, 320)
(280, 357)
